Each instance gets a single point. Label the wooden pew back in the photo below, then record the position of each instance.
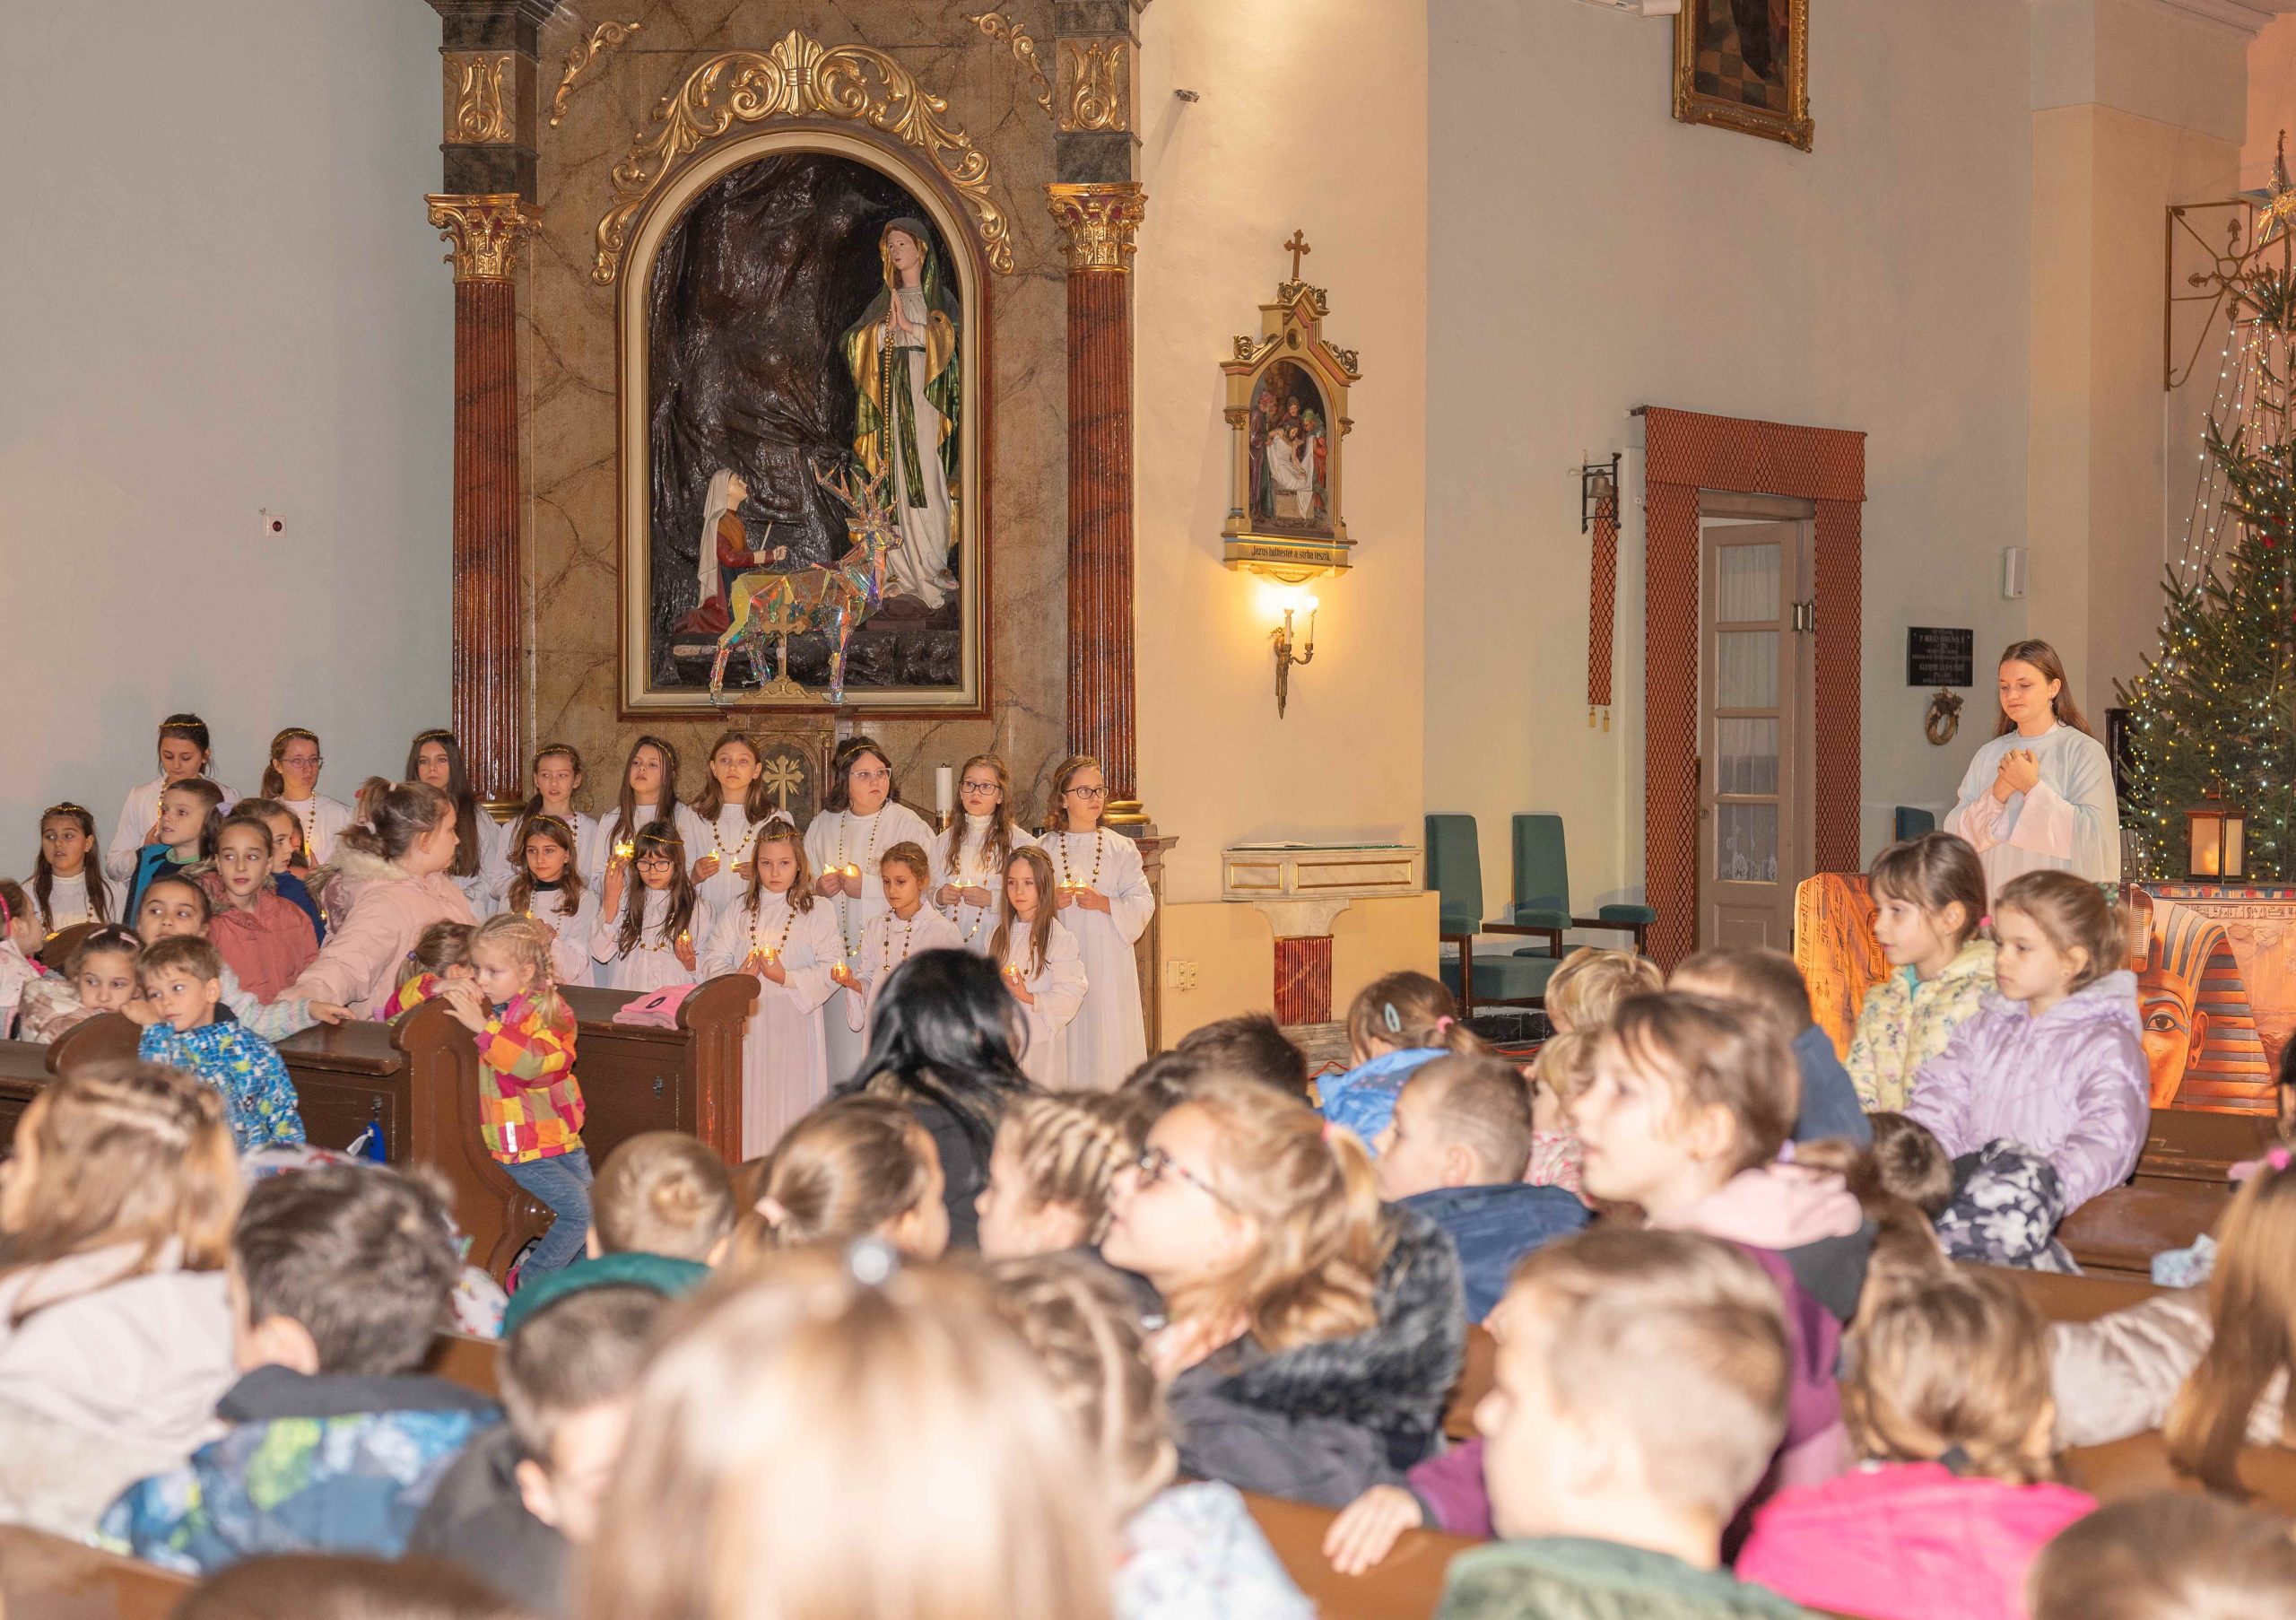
(636, 1078)
(44, 1577)
(1407, 1583)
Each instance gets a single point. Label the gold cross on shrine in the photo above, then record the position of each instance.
(1297, 246)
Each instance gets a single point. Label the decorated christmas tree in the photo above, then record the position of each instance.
(2214, 711)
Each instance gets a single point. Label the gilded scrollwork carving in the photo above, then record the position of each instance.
(1094, 82)
(996, 25)
(478, 103)
(484, 231)
(798, 78)
(603, 37)
(1099, 221)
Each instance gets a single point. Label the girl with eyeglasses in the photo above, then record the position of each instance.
(291, 779)
(1103, 898)
(68, 886)
(651, 940)
(968, 859)
(1313, 1334)
(861, 818)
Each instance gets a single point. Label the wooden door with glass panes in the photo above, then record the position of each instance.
(1755, 796)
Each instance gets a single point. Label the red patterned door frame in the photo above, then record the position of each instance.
(1686, 451)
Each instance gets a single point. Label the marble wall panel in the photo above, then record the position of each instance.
(569, 343)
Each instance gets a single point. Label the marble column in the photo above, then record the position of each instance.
(486, 711)
(1099, 219)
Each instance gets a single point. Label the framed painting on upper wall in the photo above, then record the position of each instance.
(803, 437)
(1744, 64)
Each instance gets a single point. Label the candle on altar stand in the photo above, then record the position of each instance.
(944, 790)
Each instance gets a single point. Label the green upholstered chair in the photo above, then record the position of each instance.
(1912, 822)
(1541, 902)
(1455, 872)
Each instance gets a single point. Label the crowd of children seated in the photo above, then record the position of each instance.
(1001, 1316)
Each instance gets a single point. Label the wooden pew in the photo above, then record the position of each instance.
(2074, 1299)
(26, 1065)
(1407, 1585)
(2140, 1464)
(1475, 1375)
(2180, 1145)
(636, 1078)
(2119, 1232)
(44, 1577)
(460, 1359)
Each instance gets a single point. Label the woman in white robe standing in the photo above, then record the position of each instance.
(862, 817)
(1104, 900)
(2039, 798)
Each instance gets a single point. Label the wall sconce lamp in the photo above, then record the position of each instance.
(1288, 600)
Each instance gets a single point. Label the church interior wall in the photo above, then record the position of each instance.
(221, 298)
(1596, 256)
(1313, 117)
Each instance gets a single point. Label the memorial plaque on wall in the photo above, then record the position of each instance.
(1939, 658)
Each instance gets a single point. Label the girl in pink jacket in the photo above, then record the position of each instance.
(2054, 1062)
(1947, 1397)
(393, 885)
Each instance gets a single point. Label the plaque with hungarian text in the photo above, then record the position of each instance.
(1939, 658)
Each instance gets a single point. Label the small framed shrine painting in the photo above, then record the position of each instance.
(1287, 410)
(1744, 64)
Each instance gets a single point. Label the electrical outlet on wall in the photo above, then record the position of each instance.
(1179, 974)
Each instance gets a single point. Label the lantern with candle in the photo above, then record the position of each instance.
(2216, 839)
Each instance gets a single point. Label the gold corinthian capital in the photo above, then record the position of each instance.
(1099, 221)
(484, 232)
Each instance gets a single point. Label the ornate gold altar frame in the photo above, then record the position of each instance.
(1793, 125)
(634, 261)
(1290, 333)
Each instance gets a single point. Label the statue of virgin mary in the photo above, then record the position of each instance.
(903, 357)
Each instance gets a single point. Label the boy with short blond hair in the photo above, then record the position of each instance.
(183, 987)
(660, 1212)
(1455, 1150)
(524, 1495)
(1640, 1393)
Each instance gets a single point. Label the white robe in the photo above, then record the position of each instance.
(320, 821)
(736, 842)
(785, 1063)
(841, 838)
(885, 943)
(67, 899)
(979, 870)
(137, 817)
(1109, 1038)
(914, 568)
(654, 964)
(573, 935)
(1060, 987)
(2069, 822)
(504, 865)
(483, 888)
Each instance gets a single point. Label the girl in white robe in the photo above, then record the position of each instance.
(650, 938)
(2039, 798)
(1104, 899)
(904, 928)
(968, 859)
(1042, 967)
(291, 779)
(556, 775)
(783, 933)
(862, 817)
(547, 889)
(648, 792)
(184, 753)
(731, 808)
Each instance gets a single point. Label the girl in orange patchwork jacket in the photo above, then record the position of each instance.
(530, 1105)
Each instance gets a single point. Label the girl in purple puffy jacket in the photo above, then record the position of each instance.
(2055, 1061)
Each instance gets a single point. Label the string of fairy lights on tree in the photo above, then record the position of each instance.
(2214, 710)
